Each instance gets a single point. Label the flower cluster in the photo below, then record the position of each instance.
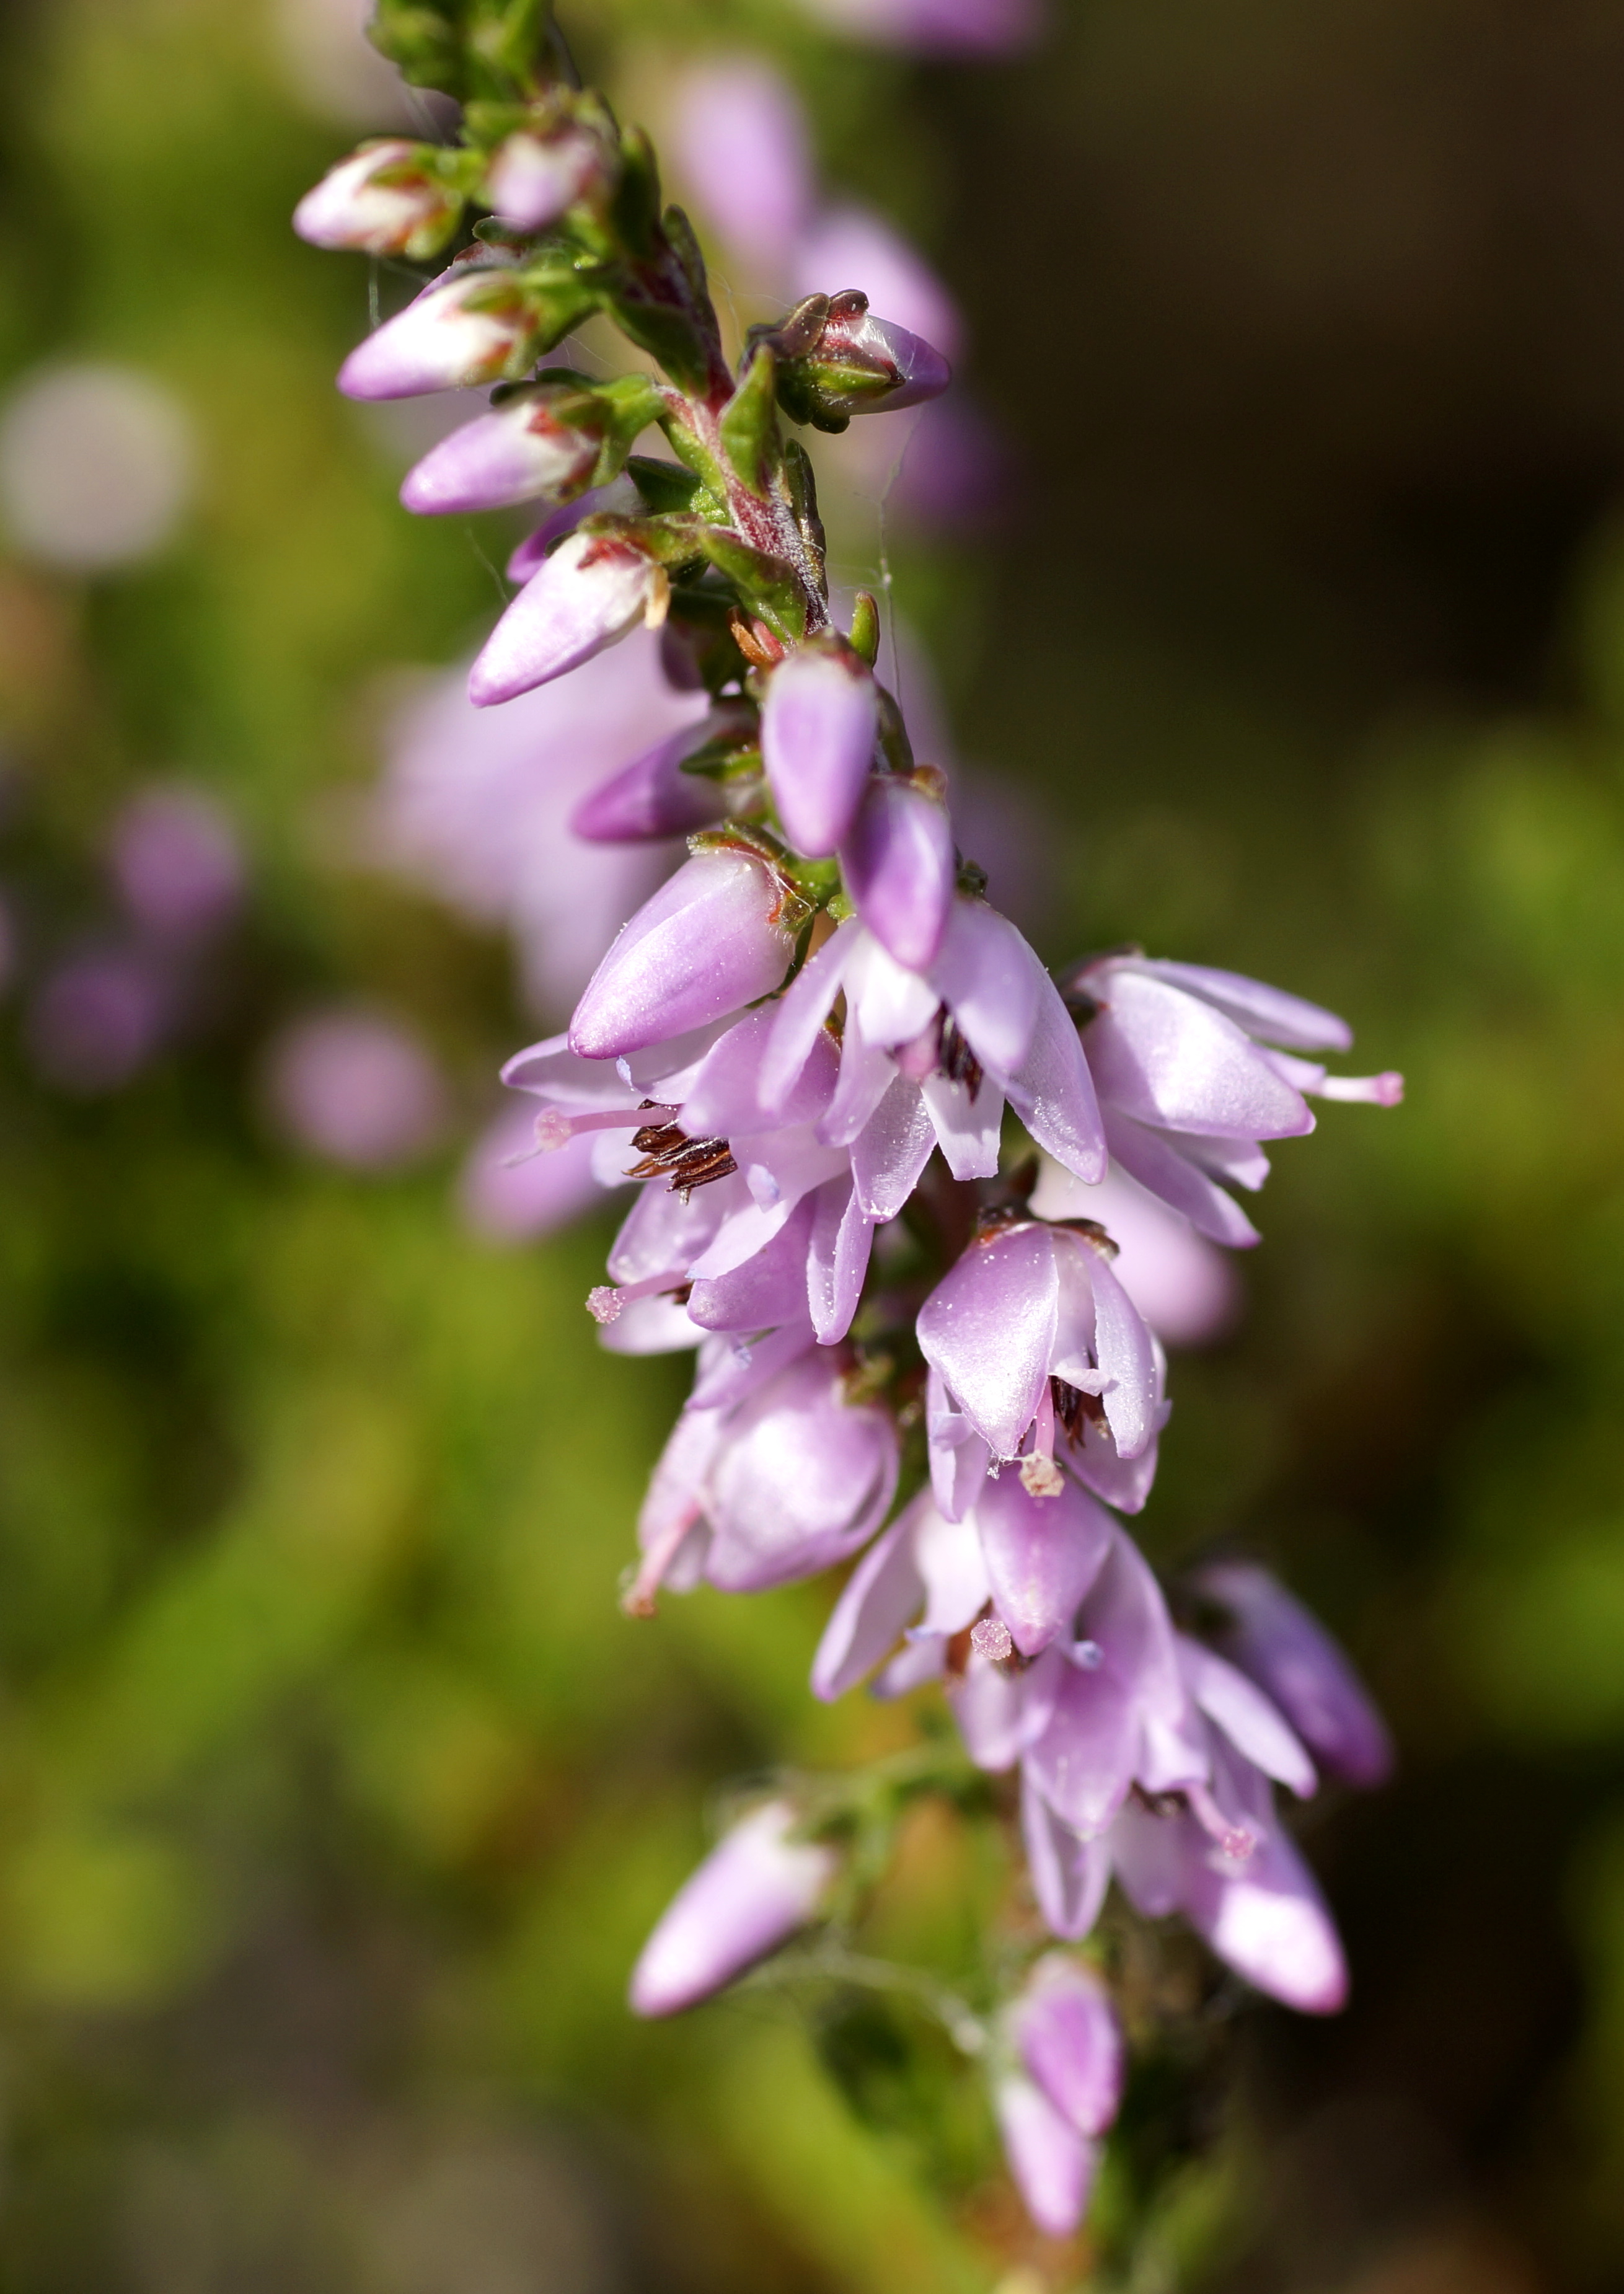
(838, 1077)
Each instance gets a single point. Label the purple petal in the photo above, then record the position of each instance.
(801, 1013)
(900, 866)
(513, 454)
(587, 595)
(1071, 2042)
(1288, 1653)
(1267, 1918)
(990, 981)
(891, 1149)
(653, 798)
(767, 1290)
(1246, 1717)
(1070, 1874)
(1053, 2166)
(1126, 1354)
(1053, 1093)
(967, 1131)
(1164, 1057)
(1042, 1555)
(705, 945)
(882, 1594)
(818, 724)
(619, 498)
(989, 1328)
(731, 1369)
(727, 1098)
(838, 1260)
(747, 1896)
(801, 1480)
(1002, 1714)
(1260, 1010)
(921, 369)
(534, 180)
(438, 343)
(1153, 1159)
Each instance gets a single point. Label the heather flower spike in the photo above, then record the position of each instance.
(817, 1061)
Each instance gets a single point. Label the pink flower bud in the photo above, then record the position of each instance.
(1069, 2041)
(533, 179)
(476, 325)
(899, 867)
(749, 1896)
(591, 591)
(859, 364)
(1053, 2166)
(708, 943)
(515, 453)
(818, 725)
(352, 207)
(653, 798)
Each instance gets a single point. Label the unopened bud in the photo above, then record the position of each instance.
(518, 453)
(818, 725)
(589, 593)
(533, 179)
(898, 866)
(477, 324)
(709, 942)
(387, 198)
(749, 1896)
(836, 360)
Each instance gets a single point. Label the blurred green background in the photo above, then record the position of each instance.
(336, 1796)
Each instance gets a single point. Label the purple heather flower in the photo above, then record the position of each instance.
(1029, 1308)
(355, 1088)
(929, 1058)
(1185, 1288)
(1065, 2034)
(709, 942)
(1187, 1090)
(532, 180)
(586, 596)
(774, 1487)
(818, 725)
(749, 1896)
(1273, 1639)
(177, 863)
(741, 138)
(653, 798)
(99, 1018)
(900, 866)
(475, 804)
(935, 27)
(1262, 1911)
(620, 498)
(1053, 2166)
(473, 324)
(515, 453)
(351, 206)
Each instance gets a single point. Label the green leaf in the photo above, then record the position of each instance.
(750, 424)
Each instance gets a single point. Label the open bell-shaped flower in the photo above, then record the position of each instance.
(750, 1895)
(586, 596)
(1185, 1062)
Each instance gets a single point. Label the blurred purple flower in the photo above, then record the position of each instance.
(742, 143)
(935, 26)
(1275, 1641)
(509, 1191)
(475, 804)
(98, 1019)
(355, 1088)
(749, 1896)
(1184, 1286)
(176, 863)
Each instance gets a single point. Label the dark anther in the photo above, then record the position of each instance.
(957, 1062)
(669, 1154)
(1082, 1006)
(1074, 1409)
